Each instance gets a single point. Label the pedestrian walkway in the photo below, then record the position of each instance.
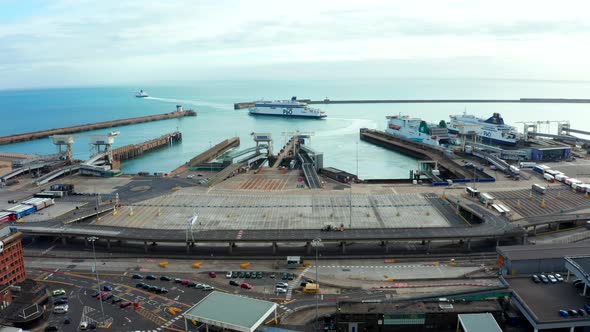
(294, 283)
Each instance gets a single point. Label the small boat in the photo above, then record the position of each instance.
(141, 94)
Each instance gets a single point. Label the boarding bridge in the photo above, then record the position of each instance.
(309, 171)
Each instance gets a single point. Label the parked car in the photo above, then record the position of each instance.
(582, 313)
(177, 280)
(563, 313)
(153, 288)
(212, 274)
(60, 302)
(280, 290)
(163, 291)
(185, 282)
(208, 288)
(150, 277)
(234, 274)
(50, 328)
(139, 285)
(107, 297)
(246, 285)
(228, 275)
(116, 300)
(92, 325)
(107, 288)
(124, 304)
(146, 286)
(535, 277)
(544, 279)
(61, 309)
(559, 277)
(552, 279)
(234, 283)
(95, 294)
(290, 276)
(191, 284)
(241, 274)
(102, 294)
(572, 312)
(165, 278)
(282, 284)
(259, 275)
(272, 275)
(58, 292)
(67, 320)
(247, 274)
(137, 276)
(285, 276)
(199, 286)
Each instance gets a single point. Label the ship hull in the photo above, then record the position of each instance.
(290, 116)
(486, 139)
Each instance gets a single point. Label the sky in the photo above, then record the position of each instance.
(79, 42)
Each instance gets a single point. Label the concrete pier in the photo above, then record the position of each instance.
(92, 126)
(414, 149)
(134, 150)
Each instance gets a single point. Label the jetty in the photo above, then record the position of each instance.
(326, 101)
(131, 151)
(94, 126)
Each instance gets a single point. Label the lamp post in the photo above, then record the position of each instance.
(350, 205)
(92, 239)
(317, 242)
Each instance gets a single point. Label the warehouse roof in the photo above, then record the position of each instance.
(546, 251)
(479, 323)
(232, 312)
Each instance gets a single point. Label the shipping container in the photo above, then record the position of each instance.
(527, 165)
(553, 172)
(539, 189)
(548, 177)
(5, 216)
(20, 211)
(39, 202)
(561, 177)
(541, 168)
(571, 181)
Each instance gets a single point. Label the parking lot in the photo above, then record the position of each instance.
(153, 311)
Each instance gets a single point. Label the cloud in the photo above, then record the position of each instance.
(92, 41)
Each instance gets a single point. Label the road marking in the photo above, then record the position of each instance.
(48, 250)
(129, 320)
(48, 276)
(176, 298)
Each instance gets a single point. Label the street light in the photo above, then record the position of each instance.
(92, 239)
(317, 242)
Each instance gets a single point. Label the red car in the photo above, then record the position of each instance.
(102, 295)
(246, 285)
(212, 274)
(185, 282)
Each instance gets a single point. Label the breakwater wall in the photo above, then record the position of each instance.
(434, 101)
(92, 126)
(135, 150)
(215, 151)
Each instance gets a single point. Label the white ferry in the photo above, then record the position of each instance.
(141, 94)
(418, 130)
(492, 130)
(286, 108)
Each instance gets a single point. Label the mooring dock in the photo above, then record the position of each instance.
(414, 149)
(94, 126)
(134, 150)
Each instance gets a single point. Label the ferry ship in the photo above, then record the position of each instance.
(141, 94)
(418, 130)
(286, 108)
(492, 130)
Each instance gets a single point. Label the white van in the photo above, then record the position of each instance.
(61, 309)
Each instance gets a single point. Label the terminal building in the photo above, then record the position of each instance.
(545, 304)
(12, 263)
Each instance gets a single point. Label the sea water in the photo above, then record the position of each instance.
(336, 136)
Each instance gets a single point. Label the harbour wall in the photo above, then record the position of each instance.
(413, 149)
(92, 126)
(134, 150)
(243, 105)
